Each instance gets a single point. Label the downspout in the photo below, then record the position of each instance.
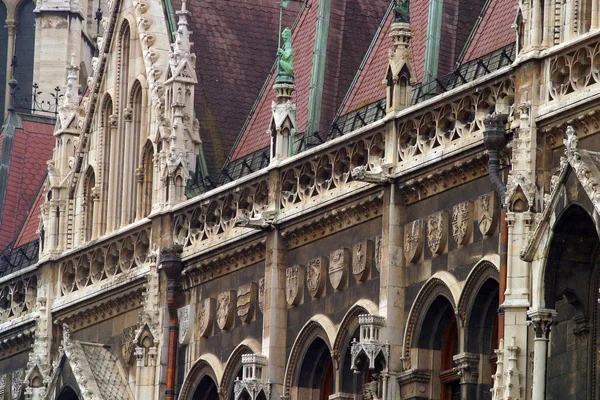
(494, 140)
(172, 265)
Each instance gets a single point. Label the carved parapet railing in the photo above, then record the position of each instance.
(212, 217)
(326, 174)
(452, 125)
(18, 297)
(107, 261)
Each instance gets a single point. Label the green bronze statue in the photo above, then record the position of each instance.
(401, 11)
(285, 64)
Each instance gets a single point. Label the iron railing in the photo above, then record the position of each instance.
(36, 102)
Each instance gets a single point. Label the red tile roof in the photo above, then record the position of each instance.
(369, 87)
(351, 28)
(28, 232)
(236, 43)
(495, 30)
(32, 147)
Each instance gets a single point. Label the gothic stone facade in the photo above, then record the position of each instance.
(372, 265)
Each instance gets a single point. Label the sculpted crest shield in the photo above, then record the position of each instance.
(225, 316)
(205, 315)
(362, 255)
(294, 276)
(413, 240)
(462, 222)
(339, 260)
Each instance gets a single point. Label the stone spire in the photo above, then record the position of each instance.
(400, 75)
(283, 122)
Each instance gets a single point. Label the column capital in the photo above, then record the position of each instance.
(541, 319)
(467, 367)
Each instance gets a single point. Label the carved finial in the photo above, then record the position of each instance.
(182, 36)
(285, 63)
(571, 142)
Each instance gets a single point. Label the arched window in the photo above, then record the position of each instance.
(106, 131)
(24, 51)
(3, 56)
(132, 149)
(145, 181)
(90, 182)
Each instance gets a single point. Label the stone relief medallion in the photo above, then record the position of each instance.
(185, 317)
(246, 301)
(378, 243)
(127, 343)
(225, 303)
(294, 278)
(362, 254)
(462, 222)
(339, 261)
(487, 219)
(413, 240)
(437, 232)
(315, 276)
(205, 316)
(261, 294)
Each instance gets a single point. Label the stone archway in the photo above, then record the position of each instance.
(316, 375)
(206, 390)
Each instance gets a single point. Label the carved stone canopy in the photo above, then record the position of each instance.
(370, 342)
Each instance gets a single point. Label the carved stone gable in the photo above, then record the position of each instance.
(462, 222)
(339, 261)
(185, 316)
(487, 207)
(246, 301)
(261, 294)
(315, 276)
(205, 316)
(294, 278)
(437, 232)
(225, 305)
(413, 240)
(362, 255)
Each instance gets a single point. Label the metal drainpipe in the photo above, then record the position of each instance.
(172, 265)
(494, 140)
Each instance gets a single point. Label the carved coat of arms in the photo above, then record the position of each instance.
(362, 255)
(437, 232)
(487, 219)
(413, 240)
(205, 316)
(225, 316)
(315, 276)
(246, 299)
(185, 317)
(294, 277)
(261, 294)
(339, 260)
(462, 222)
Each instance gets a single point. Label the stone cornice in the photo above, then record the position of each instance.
(17, 341)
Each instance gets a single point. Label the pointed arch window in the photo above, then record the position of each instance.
(145, 177)
(107, 112)
(25, 50)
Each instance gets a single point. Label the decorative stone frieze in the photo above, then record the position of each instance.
(413, 240)
(437, 232)
(253, 382)
(16, 342)
(462, 222)
(225, 309)
(332, 222)
(185, 317)
(315, 276)
(339, 261)
(370, 341)
(246, 301)
(362, 256)
(18, 297)
(487, 210)
(205, 317)
(294, 285)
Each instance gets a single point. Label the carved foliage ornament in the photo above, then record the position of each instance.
(294, 279)
(339, 261)
(315, 276)
(462, 222)
(225, 305)
(488, 213)
(205, 316)
(437, 232)
(246, 301)
(362, 255)
(413, 240)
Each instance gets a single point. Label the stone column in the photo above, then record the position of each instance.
(52, 242)
(97, 225)
(114, 176)
(129, 152)
(10, 52)
(595, 15)
(536, 24)
(467, 367)
(548, 37)
(541, 321)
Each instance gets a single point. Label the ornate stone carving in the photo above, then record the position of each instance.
(378, 242)
(467, 367)
(462, 222)
(127, 343)
(261, 294)
(437, 232)
(315, 276)
(225, 305)
(413, 240)
(17, 384)
(362, 256)
(339, 261)
(294, 288)
(205, 316)
(370, 343)
(487, 219)
(185, 316)
(246, 301)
